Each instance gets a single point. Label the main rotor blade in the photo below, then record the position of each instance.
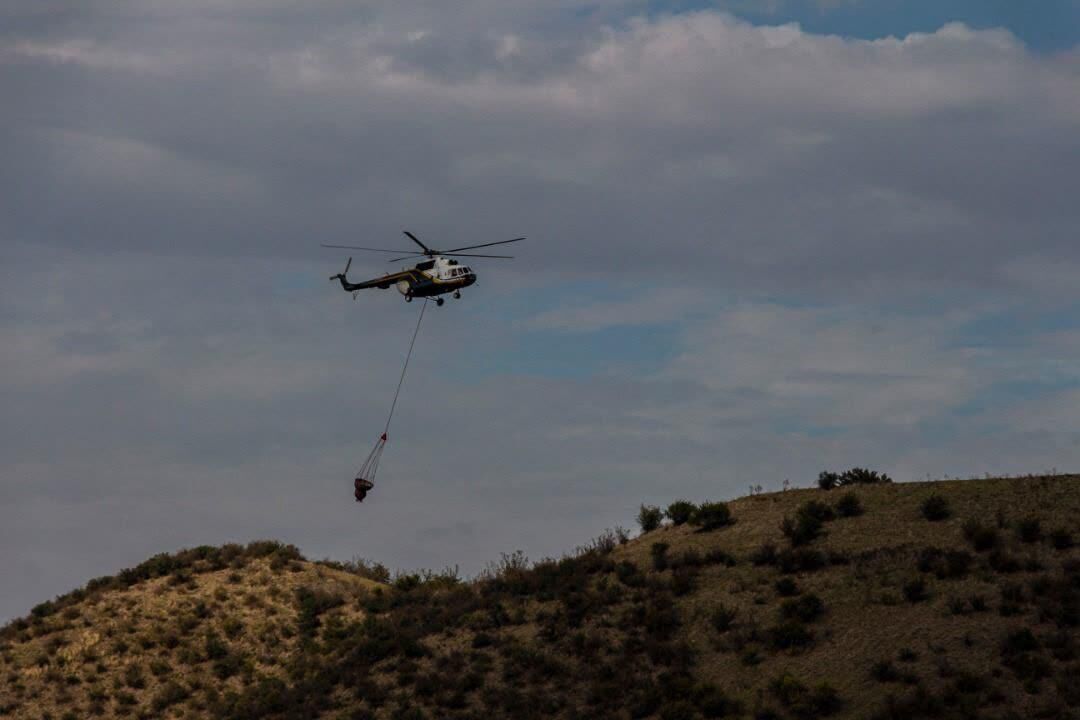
(473, 247)
(450, 254)
(417, 241)
(357, 247)
(407, 257)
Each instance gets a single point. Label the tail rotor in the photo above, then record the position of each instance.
(343, 273)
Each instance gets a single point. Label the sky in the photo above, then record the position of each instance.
(765, 238)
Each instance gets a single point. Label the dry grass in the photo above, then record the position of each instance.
(100, 648)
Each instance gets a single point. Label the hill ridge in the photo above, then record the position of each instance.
(931, 599)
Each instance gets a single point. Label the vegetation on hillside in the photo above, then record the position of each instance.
(935, 600)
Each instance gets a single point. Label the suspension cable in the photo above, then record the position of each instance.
(408, 356)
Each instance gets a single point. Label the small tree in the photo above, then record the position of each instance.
(827, 480)
(649, 518)
(711, 516)
(862, 476)
(680, 511)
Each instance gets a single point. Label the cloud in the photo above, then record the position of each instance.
(847, 245)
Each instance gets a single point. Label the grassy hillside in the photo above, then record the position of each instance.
(939, 600)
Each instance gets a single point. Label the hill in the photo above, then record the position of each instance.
(956, 599)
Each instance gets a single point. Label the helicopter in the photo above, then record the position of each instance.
(439, 273)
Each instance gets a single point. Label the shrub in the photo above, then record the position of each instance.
(804, 702)
(364, 568)
(232, 627)
(713, 703)
(629, 574)
(215, 648)
(716, 556)
(1029, 530)
(723, 618)
(884, 671)
(1019, 641)
(226, 667)
(936, 508)
(944, 563)
(1012, 596)
(1003, 562)
(862, 476)
(43, 610)
(764, 555)
(801, 530)
(800, 560)
(1061, 539)
(827, 480)
(915, 590)
(314, 603)
(786, 587)
(690, 558)
(790, 634)
(817, 510)
(680, 512)
(711, 516)
(807, 608)
(982, 537)
(1019, 653)
(678, 710)
(684, 579)
(849, 505)
(907, 655)
(649, 518)
(133, 677)
(658, 550)
(958, 606)
(170, 693)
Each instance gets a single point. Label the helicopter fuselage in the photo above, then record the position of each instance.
(432, 277)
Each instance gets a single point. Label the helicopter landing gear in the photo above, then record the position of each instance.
(457, 294)
(439, 301)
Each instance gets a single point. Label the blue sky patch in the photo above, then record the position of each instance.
(1044, 25)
